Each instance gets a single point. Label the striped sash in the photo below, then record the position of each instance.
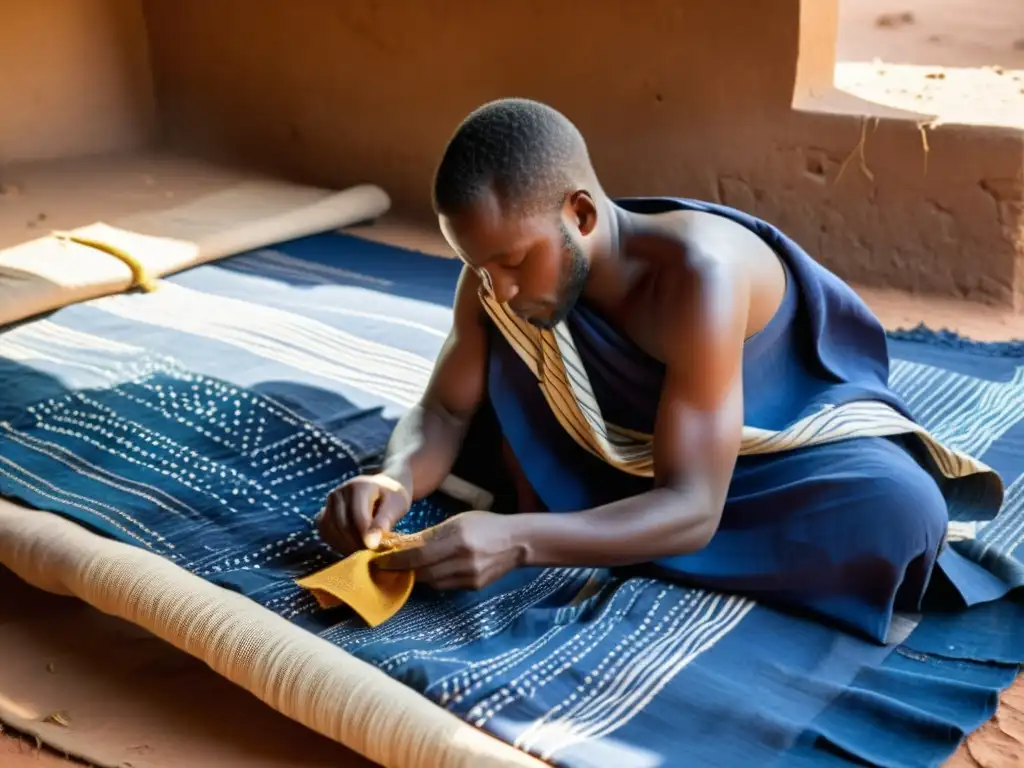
(552, 357)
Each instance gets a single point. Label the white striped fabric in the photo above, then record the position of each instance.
(554, 360)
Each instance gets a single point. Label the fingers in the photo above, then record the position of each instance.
(358, 512)
(459, 573)
(390, 510)
(378, 503)
(361, 499)
(333, 527)
(346, 516)
(438, 571)
(433, 550)
(409, 559)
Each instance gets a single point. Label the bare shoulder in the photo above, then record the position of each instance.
(718, 238)
(690, 259)
(720, 265)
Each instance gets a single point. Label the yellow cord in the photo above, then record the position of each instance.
(140, 278)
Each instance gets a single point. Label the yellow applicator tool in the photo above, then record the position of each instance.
(375, 594)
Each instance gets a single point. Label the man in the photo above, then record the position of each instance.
(679, 384)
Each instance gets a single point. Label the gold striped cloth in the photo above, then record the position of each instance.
(554, 360)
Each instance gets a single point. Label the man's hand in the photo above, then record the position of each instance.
(467, 551)
(360, 510)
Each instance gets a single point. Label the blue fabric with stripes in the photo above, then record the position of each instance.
(206, 421)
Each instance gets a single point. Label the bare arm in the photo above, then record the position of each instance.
(696, 438)
(427, 438)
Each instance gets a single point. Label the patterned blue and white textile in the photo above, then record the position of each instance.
(206, 422)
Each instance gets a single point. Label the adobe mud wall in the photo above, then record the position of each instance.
(74, 79)
(685, 98)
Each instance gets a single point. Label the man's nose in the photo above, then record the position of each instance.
(504, 287)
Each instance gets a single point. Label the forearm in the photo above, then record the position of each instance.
(423, 449)
(653, 525)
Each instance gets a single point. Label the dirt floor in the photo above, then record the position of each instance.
(128, 697)
(960, 61)
(18, 752)
(952, 33)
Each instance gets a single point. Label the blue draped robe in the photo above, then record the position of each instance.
(849, 530)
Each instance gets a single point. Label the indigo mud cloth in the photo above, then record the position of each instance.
(207, 421)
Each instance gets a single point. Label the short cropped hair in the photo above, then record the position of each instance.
(527, 152)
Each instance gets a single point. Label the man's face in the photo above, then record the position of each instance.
(535, 264)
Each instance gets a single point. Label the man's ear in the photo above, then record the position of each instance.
(582, 211)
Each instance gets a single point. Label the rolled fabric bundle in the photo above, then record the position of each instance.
(101, 259)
